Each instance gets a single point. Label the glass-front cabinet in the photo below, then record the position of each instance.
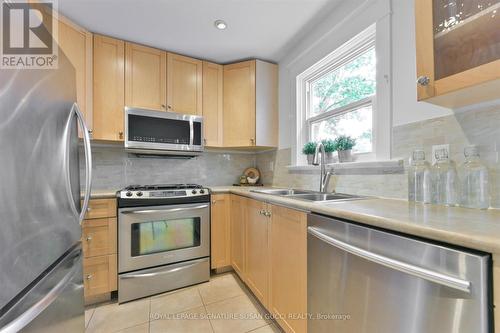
(458, 51)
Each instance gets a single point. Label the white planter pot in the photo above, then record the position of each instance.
(345, 156)
(329, 157)
(310, 159)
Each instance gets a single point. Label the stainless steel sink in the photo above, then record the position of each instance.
(308, 195)
(285, 191)
(318, 197)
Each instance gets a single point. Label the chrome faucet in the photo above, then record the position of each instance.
(324, 176)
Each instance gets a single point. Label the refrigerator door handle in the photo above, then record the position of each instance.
(32, 312)
(75, 109)
(436, 277)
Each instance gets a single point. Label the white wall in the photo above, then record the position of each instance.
(406, 109)
(348, 19)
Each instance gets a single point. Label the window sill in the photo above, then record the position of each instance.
(354, 168)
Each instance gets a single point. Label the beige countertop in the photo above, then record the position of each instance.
(102, 194)
(475, 229)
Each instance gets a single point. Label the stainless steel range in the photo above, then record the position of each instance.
(163, 238)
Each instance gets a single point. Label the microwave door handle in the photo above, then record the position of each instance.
(155, 211)
(432, 276)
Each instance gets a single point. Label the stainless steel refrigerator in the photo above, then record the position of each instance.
(41, 280)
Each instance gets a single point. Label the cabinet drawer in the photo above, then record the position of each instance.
(99, 275)
(99, 208)
(99, 237)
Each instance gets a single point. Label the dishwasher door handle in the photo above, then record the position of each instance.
(439, 278)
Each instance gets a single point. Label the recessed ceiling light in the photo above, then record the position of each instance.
(221, 25)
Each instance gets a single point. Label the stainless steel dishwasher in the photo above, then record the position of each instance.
(367, 280)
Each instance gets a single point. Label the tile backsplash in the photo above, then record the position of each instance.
(480, 126)
(113, 168)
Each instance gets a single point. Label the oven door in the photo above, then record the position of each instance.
(158, 235)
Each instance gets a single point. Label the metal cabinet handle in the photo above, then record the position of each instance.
(261, 212)
(162, 272)
(268, 214)
(89, 276)
(88, 238)
(423, 80)
(169, 107)
(432, 276)
(252, 140)
(89, 209)
(163, 106)
(213, 202)
(120, 134)
(150, 211)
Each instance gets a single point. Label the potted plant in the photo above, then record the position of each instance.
(330, 148)
(309, 150)
(344, 146)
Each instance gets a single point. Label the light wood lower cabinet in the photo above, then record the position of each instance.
(99, 244)
(288, 268)
(220, 233)
(99, 275)
(99, 236)
(257, 249)
(238, 234)
(273, 262)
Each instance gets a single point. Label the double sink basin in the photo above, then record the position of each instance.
(309, 195)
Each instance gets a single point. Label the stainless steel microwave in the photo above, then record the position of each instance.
(163, 132)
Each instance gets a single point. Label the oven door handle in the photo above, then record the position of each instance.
(151, 211)
(162, 272)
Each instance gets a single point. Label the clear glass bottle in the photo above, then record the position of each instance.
(444, 180)
(473, 176)
(419, 182)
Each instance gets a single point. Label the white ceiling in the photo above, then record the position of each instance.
(263, 29)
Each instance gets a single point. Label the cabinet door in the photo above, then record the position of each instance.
(458, 46)
(99, 208)
(99, 237)
(257, 250)
(76, 43)
(288, 267)
(237, 237)
(212, 104)
(109, 88)
(220, 231)
(145, 77)
(99, 275)
(239, 104)
(184, 84)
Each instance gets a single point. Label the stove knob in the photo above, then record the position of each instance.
(128, 194)
(193, 191)
(202, 191)
(139, 194)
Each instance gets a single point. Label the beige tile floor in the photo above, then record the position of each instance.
(219, 306)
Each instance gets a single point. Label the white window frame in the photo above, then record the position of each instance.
(382, 120)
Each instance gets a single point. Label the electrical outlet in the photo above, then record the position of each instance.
(439, 147)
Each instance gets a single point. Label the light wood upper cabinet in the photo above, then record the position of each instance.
(220, 231)
(288, 267)
(458, 52)
(76, 43)
(257, 249)
(212, 104)
(251, 104)
(238, 220)
(145, 77)
(109, 88)
(184, 84)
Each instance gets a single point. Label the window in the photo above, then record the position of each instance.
(340, 102)
(340, 93)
